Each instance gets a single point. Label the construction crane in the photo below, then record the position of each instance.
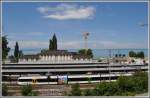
(85, 36)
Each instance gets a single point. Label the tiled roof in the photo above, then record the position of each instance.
(56, 52)
(79, 56)
(31, 56)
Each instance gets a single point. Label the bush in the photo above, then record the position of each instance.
(141, 81)
(113, 88)
(126, 83)
(26, 90)
(4, 90)
(75, 90)
(88, 92)
(125, 86)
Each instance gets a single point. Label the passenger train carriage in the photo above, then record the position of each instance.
(68, 79)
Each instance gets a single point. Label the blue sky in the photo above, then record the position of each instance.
(111, 25)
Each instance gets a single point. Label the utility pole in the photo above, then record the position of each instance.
(48, 78)
(109, 65)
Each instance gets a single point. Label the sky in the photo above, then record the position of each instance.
(110, 24)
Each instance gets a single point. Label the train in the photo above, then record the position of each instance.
(69, 79)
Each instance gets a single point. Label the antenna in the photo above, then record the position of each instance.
(85, 36)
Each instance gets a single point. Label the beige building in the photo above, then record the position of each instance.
(55, 56)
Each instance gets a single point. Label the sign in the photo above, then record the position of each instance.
(34, 81)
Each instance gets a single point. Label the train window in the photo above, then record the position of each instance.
(41, 80)
(84, 79)
(25, 80)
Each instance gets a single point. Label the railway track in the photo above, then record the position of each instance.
(45, 90)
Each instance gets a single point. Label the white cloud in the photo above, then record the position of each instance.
(66, 11)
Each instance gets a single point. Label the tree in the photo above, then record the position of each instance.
(16, 52)
(100, 60)
(12, 59)
(124, 55)
(132, 54)
(5, 48)
(27, 90)
(75, 90)
(126, 84)
(137, 55)
(44, 50)
(113, 88)
(87, 52)
(54, 42)
(141, 81)
(120, 55)
(81, 51)
(88, 92)
(140, 54)
(4, 90)
(116, 55)
(51, 45)
(20, 54)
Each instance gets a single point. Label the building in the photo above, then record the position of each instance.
(55, 56)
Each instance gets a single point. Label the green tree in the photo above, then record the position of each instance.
(116, 55)
(44, 50)
(137, 55)
(132, 54)
(81, 51)
(51, 45)
(125, 83)
(87, 52)
(5, 48)
(4, 90)
(140, 54)
(103, 88)
(88, 92)
(120, 55)
(54, 42)
(141, 81)
(75, 90)
(113, 88)
(27, 90)
(123, 55)
(20, 54)
(16, 52)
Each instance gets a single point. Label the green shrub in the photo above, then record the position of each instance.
(124, 86)
(88, 92)
(27, 90)
(75, 90)
(4, 90)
